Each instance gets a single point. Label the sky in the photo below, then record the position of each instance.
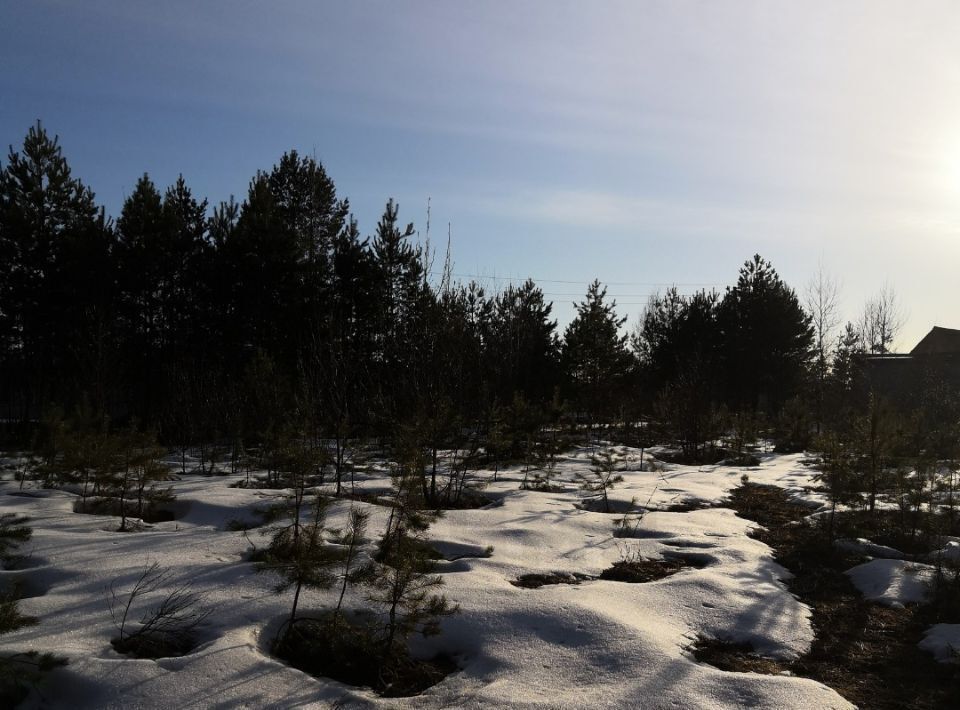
(641, 143)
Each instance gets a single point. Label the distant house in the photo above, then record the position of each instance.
(939, 341)
(901, 377)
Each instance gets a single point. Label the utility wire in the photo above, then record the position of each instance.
(584, 283)
(609, 295)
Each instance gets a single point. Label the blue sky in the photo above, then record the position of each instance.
(641, 143)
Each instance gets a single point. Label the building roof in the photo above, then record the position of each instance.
(939, 341)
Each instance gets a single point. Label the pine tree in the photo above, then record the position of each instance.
(595, 355)
(523, 350)
(602, 478)
(678, 345)
(402, 583)
(767, 339)
(262, 258)
(186, 265)
(403, 300)
(308, 210)
(40, 205)
(843, 385)
(143, 272)
(84, 283)
(161, 253)
(400, 275)
(298, 552)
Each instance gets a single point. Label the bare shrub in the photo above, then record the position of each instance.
(166, 628)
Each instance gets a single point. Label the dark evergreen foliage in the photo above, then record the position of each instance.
(230, 325)
(595, 357)
(767, 339)
(42, 210)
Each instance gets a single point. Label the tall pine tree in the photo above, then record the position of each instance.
(767, 339)
(41, 203)
(595, 355)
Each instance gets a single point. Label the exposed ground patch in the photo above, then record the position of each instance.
(633, 571)
(735, 657)
(688, 505)
(352, 655)
(641, 571)
(539, 579)
(865, 651)
(103, 506)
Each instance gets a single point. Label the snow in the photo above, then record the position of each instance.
(892, 582)
(943, 641)
(950, 552)
(869, 549)
(595, 644)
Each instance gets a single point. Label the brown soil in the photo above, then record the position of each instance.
(536, 580)
(735, 657)
(638, 571)
(642, 571)
(685, 506)
(865, 651)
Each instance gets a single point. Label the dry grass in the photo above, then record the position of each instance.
(640, 571)
(865, 651)
(537, 580)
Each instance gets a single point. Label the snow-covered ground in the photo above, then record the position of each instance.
(943, 641)
(893, 582)
(595, 644)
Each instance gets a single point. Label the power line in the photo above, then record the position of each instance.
(584, 283)
(580, 294)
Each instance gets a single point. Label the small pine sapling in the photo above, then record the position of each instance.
(602, 478)
(45, 462)
(460, 463)
(351, 540)
(13, 532)
(837, 475)
(138, 475)
(402, 583)
(19, 671)
(498, 442)
(148, 474)
(408, 517)
(299, 555)
(546, 469)
(89, 458)
(407, 592)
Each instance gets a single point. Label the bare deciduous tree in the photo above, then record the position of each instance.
(822, 301)
(167, 628)
(881, 320)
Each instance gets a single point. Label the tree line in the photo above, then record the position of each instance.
(245, 321)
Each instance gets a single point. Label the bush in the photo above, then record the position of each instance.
(166, 629)
(352, 653)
